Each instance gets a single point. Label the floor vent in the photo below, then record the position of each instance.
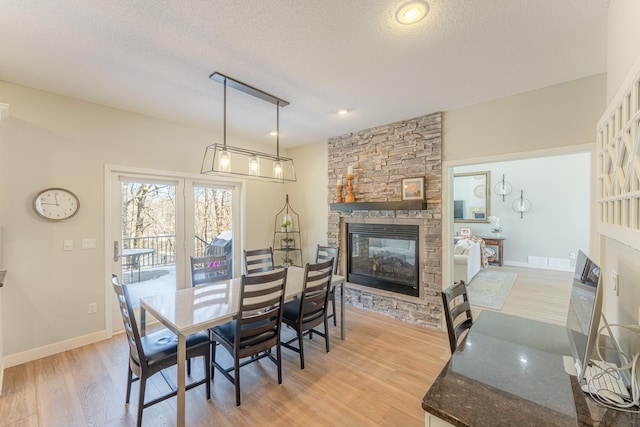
(560, 262)
(538, 260)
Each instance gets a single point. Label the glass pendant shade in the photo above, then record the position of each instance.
(277, 170)
(225, 161)
(254, 166)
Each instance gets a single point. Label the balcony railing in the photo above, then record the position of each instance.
(165, 249)
(164, 254)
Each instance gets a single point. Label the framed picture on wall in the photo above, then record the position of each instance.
(465, 231)
(413, 188)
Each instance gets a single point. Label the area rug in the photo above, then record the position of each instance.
(489, 288)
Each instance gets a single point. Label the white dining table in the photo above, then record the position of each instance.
(190, 310)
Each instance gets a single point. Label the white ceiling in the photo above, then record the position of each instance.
(154, 57)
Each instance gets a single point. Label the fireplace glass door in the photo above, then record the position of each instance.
(384, 257)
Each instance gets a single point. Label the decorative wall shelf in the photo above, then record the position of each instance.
(403, 205)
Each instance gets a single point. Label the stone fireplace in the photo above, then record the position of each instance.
(381, 157)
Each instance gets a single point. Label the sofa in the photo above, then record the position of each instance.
(466, 259)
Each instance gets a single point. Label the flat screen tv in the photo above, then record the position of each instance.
(585, 308)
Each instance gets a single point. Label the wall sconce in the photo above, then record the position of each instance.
(502, 188)
(248, 163)
(521, 205)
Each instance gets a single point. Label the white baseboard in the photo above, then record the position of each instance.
(541, 267)
(51, 349)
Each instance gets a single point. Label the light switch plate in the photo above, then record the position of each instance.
(88, 243)
(68, 245)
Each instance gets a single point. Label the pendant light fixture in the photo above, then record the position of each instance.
(248, 163)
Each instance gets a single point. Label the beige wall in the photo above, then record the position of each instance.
(555, 116)
(623, 50)
(309, 196)
(50, 140)
(623, 41)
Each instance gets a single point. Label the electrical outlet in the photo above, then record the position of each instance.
(93, 308)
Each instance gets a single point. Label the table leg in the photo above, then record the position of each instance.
(182, 356)
(342, 320)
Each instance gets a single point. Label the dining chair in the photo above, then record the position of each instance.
(209, 269)
(457, 312)
(258, 260)
(155, 352)
(306, 313)
(324, 253)
(256, 328)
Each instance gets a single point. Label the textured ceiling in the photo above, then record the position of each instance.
(154, 57)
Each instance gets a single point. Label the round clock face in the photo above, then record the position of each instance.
(56, 204)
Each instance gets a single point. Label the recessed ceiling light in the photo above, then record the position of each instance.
(273, 133)
(412, 12)
(343, 111)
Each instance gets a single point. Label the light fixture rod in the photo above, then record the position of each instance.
(243, 87)
(278, 129)
(224, 115)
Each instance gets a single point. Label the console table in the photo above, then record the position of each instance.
(510, 372)
(495, 241)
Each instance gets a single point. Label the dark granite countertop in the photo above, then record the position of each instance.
(510, 372)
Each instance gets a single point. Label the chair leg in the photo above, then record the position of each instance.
(143, 386)
(236, 363)
(333, 304)
(301, 340)
(129, 381)
(207, 373)
(213, 358)
(279, 354)
(326, 333)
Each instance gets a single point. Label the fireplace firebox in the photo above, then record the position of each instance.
(384, 256)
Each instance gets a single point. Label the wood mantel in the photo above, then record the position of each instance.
(403, 205)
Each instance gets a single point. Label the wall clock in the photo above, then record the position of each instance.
(56, 204)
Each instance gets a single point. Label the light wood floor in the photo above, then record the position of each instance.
(537, 294)
(378, 376)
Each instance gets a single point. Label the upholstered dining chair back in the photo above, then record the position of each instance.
(457, 312)
(154, 352)
(309, 311)
(256, 328)
(209, 269)
(258, 260)
(325, 253)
